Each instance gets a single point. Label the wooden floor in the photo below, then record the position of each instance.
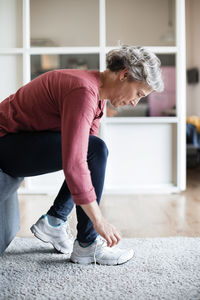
(135, 215)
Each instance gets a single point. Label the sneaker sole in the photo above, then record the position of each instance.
(89, 260)
(44, 238)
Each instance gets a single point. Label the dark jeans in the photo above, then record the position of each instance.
(35, 153)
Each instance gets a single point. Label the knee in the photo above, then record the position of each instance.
(103, 148)
(100, 147)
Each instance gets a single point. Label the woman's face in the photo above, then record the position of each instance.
(124, 92)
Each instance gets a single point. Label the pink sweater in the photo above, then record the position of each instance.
(63, 100)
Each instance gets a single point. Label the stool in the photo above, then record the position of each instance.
(9, 209)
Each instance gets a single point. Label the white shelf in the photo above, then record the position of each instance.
(138, 189)
(155, 49)
(140, 120)
(63, 50)
(6, 51)
(144, 189)
(78, 50)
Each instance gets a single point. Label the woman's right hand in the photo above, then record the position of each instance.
(107, 231)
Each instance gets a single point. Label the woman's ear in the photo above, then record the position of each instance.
(123, 75)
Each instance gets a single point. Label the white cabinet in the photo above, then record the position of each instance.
(147, 148)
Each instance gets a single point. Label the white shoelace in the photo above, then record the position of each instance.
(103, 241)
(103, 244)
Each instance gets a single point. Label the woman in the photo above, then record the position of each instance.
(52, 123)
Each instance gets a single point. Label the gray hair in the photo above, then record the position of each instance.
(142, 64)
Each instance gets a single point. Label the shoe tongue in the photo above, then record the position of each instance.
(101, 240)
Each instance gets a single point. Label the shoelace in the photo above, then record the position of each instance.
(103, 241)
(103, 244)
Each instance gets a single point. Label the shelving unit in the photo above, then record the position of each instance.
(147, 154)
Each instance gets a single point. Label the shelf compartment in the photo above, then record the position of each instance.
(76, 23)
(139, 22)
(47, 62)
(141, 155)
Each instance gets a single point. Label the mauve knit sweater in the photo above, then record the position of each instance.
(63, 100)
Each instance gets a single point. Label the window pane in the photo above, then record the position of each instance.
(11, 23)
(10, 74)
(45, 62)
(64, 22)
(141, 22)
(155, 104)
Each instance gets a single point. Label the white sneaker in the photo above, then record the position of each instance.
(99, 252)
(59, 236)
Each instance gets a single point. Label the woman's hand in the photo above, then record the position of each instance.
(107, 231)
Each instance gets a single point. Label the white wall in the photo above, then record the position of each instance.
(193, 53)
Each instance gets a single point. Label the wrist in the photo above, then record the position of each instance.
(93, 212)
(97, 220)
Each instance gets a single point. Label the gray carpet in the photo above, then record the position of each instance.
(162, 268)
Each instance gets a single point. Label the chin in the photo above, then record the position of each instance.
(112, 104)
(117, 104)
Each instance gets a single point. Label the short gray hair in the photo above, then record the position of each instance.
(142, 64)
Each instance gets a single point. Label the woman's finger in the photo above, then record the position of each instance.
(109, 241)
(118, 237)
(114, 240)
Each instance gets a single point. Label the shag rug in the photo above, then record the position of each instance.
(162, 268)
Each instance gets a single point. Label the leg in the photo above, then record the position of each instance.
(94, 252)
(97, 159)
(63, 204)
(34, 153)
(30, 153)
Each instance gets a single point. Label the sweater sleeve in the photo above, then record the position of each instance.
(78, 112)
(96, 122)
(95, 127)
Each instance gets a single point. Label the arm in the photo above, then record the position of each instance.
(77, 114)
(94, 130)
(96, 122)
(78, 111)
(104, 228)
